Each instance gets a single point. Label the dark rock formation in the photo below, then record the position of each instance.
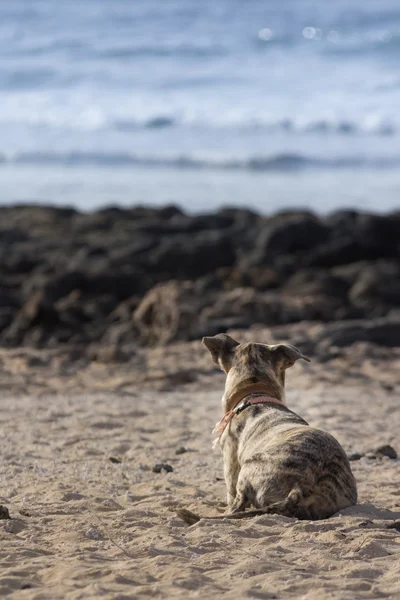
(150, 276)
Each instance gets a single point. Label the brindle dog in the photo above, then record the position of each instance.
(274, 460)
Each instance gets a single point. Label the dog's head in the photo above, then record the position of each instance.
(249, 364)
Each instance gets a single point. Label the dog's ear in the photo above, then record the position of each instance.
(286, 355)
(222, 347)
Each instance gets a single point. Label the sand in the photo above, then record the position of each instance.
(90, 518)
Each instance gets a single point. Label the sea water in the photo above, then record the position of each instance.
(259, 103)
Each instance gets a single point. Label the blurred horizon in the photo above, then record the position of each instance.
(260, 104)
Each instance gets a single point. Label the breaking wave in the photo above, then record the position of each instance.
(278, 162)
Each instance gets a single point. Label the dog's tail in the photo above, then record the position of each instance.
(290, 507)
(191, 518)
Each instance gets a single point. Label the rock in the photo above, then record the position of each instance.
(18, 263)
(350, 272)
(108, 504)
(181, 450)
(114, 460)
(57, 287)
(10, 237)
(334, 252)
(312, 281)
(92, 533)
(242, 218)
(122, 336)
(286, 235)
(35, 312)
(367, 524)
(259, 278)
(7, 316)
(213, 326)
(386, 450)
(4, 514)
(14, 526)
(384, 331)
(354, 456)
(106, 354)
(359, 236)
(159, 467)
(378, 235)
(166, 212)
(108, 280)
(377, 286)
(69, 496)
(295, 234)
(120, 285)
(167, 313)
(187, 257)
(342, 222)
(203, 222)
(268, 308)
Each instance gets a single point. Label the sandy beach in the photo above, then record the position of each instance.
(90, 517)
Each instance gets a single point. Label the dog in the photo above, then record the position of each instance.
(274, 461)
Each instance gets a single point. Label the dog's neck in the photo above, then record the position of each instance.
(256, 393)
(230, 402)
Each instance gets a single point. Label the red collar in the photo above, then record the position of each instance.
(255, 399)
(249, 400)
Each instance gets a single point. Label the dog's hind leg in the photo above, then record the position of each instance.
(288, 506)
(239, 504)
(295, 505)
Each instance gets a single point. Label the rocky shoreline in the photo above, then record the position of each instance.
(124, 278)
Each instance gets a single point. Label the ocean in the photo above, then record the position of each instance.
(267, 104)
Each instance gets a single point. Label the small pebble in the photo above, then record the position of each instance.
(94, 534)
(355, 456)
(162, 467)
(14, 526)
(4, 514)
(115, 460)
(181, 450)
(110, 504)
(386, 450)
(366, 524)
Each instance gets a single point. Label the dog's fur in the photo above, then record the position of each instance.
(273, 460)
